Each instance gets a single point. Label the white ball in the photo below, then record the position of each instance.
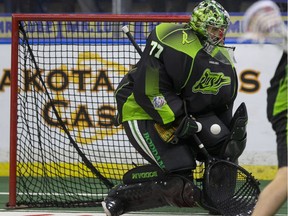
(215, 129)
(199, 126)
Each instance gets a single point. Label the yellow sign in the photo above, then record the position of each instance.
(5, 27)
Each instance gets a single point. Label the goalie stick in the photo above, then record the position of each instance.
(126, 30)
(227, 188)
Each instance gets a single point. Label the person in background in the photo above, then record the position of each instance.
(261, 21)
(169, 6)
(185, 74)
(28, 6)
(60, 6)
(87, 6)
(90, 6)
(231, 6)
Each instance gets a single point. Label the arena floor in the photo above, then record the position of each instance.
(49, 213)
(98, 211)
(34, 213)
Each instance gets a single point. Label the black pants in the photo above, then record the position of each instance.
(146, 140)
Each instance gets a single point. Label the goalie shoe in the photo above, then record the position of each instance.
(112, 207)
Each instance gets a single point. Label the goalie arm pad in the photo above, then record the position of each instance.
(236, 142)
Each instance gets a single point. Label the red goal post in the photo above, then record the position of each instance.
(64, 149)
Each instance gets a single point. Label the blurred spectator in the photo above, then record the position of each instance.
(7, 6)
(168, 6)
(177, 6)
(124, 6)
(158, 6)
(61, 6)
(89, 6)
(24, 6)
(231, 6)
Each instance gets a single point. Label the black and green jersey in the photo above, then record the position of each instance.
(277, 92)
(174, 67)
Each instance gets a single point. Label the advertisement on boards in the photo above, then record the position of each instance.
(255, 66)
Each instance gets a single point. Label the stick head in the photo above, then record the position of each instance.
(262, 22)
(229, 189)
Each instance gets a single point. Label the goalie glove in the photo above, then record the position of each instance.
(187, 127)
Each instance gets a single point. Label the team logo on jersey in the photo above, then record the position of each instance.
(185, 38)
(158, 102)
(211, 82)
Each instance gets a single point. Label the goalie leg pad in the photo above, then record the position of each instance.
(174, 191)
(140, 174)
(236, 141)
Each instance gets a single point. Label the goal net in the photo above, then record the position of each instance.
(65, 149)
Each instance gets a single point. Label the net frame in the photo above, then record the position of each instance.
(16, 19)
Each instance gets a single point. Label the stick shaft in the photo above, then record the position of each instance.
(132, 40)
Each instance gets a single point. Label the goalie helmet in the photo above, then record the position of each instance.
(210, 20)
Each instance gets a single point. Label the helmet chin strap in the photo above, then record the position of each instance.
(212, 45)
(209, 47)
(227, 47)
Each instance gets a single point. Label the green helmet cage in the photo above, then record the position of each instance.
(209, 13)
